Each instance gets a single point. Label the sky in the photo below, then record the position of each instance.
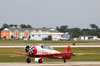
(50, 13)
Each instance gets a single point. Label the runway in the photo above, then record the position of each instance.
(52, 64)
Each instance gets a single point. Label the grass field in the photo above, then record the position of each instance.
(82, 54)
(21, 42)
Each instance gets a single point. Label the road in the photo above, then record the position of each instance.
(53, 64)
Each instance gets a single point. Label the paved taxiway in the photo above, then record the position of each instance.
(52, 46)
(53, 64)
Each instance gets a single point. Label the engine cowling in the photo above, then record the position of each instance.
(29, 49)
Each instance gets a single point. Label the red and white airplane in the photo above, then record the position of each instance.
(41, 51)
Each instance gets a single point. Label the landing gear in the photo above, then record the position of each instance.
(28, 60)
(64, 61)
(40, 60)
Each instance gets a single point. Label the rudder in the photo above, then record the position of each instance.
(67, 50)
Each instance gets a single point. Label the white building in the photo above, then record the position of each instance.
(89, 38)
(44, 34)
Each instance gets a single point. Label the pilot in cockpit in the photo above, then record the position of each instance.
(42, 46)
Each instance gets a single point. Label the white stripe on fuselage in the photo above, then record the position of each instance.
(45, 51)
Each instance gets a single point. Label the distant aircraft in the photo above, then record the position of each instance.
(41, 51)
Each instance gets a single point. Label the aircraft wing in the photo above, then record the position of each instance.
(45, 55)
(20, 53)
(55, 54)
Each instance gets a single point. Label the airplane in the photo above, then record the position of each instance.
(43, 51)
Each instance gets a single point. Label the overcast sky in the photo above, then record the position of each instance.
(50, 13)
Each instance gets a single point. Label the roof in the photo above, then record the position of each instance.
(30, 29)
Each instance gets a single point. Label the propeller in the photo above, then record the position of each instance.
(29, 49)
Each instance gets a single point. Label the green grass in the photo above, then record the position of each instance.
(82, 54)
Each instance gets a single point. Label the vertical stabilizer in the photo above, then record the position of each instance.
(67, 50)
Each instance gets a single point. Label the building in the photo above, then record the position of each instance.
(86, 38)
(46, 35)
(16, 33)
(33, 34)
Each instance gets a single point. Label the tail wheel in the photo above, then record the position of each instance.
(28, 60)
(64, 61)
(40, 61)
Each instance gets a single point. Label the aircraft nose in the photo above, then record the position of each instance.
(29, 49)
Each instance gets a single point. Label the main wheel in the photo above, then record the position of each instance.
(39, 61)
(64, 61)
(28, 60)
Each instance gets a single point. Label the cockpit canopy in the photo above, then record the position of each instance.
(45, 46)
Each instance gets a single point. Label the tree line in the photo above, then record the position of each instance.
(16, 26)
(76, 32)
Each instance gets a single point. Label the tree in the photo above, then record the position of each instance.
(49, 37)
(4, 38)
(75, 32)
(29, 37)
(12, 37)
(44, 28)
(62, 28)
(23, 38)
(86, 32)
(0, 31)
(23, 26)
(5, 25)
(15, 25)
(11, 25)
(57, 28)
(28, 26)
(93, 26)
(98, 32)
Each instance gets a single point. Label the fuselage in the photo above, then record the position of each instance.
(45, 50)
